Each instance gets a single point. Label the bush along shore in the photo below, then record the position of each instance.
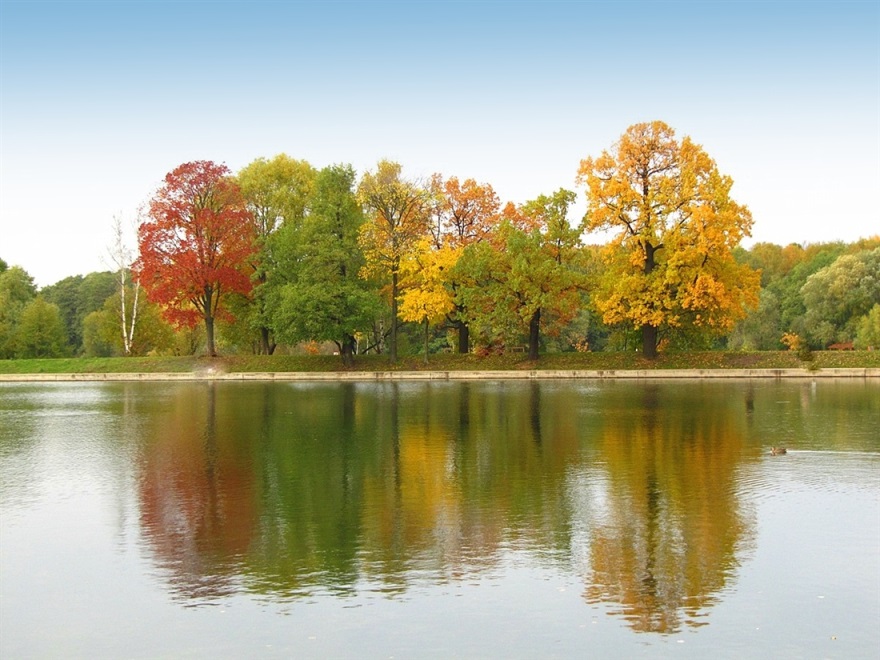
(446, 362)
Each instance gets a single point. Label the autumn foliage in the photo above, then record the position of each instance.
(397, 218)
(463, 213)
(671, 260)
(527, 278)
(285, 253)
(195, 246)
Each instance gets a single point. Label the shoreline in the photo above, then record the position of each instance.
(536, 374)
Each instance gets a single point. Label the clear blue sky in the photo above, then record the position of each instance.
(98, 100)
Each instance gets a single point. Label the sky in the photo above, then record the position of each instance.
(99, 100)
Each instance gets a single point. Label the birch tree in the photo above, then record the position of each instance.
(122, 257)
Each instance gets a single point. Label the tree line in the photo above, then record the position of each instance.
(283, 254)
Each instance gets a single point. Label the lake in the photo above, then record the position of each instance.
(515, 519)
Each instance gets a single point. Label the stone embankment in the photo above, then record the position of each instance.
(537, 374)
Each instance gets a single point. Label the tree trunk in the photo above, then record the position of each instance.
(649, 332)
(347, 350)
(126, 347)
(392, 340)
(534, 334)
(209, 333)
(464, 338)
(267, 346)
(207, 307)
(427, 337)
(134, 310)
(649, 341)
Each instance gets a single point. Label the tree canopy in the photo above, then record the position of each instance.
(323, 298)
(462, 214)
(17, 289)
(77, 297)
(277, 193)
(41, 331)
(196, 245)
(671, 260)
(527, 276)
(282, 254)
(397, 218)
(839, 295)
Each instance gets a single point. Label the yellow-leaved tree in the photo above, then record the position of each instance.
(670, 263)
(397, 219)
(427, 296)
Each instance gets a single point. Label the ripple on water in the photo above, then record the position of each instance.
(810, 470)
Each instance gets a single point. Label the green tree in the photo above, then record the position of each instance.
(398, 217)
(783, 309)
(96, 339)
(78, 296)
(18, 285)
(17, 289)
(529, 277)
(277, 193)
(789, 287)
(671, 261)
(761, 330)
(323, 297)
(774, 262)
(868, 330)
(101, 329)
(839, 295)
(93, 292)
(65, 294)
(40, 332)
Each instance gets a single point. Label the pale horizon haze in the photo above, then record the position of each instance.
(99, 100)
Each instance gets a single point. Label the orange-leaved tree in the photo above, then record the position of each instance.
(670, 263)
(463, 213)
(195, 245)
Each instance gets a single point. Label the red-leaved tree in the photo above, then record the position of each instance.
(195, 245)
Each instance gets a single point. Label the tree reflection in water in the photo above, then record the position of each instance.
(293, 490)
(671, 531)
(197, 509)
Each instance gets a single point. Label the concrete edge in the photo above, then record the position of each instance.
(538, 374)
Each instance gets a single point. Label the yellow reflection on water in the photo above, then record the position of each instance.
(671, 530)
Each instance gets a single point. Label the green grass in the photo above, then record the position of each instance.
(448, 362)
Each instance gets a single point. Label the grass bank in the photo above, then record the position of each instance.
(446, 362)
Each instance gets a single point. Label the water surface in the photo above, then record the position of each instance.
(440, 519)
